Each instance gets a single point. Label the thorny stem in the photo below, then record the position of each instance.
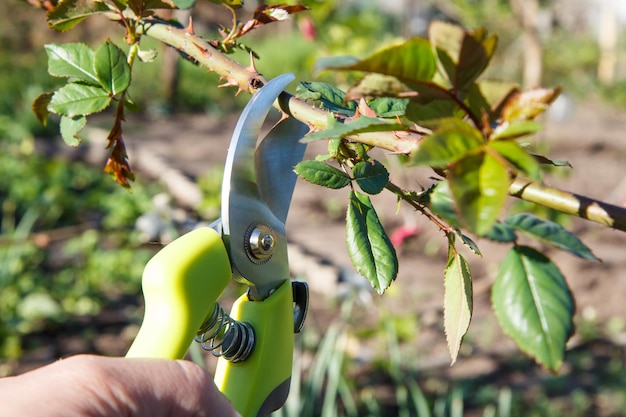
(406, 197)
(396, 142)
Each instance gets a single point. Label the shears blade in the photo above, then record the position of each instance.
(257, 190)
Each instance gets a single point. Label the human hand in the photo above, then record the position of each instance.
(98, 386)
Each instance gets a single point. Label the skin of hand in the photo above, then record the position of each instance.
(97, 386)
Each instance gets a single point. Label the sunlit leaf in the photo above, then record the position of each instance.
(69, 13)
(457, 302)
(479, 185)
(265, 14)
(330, 97)
(462, 55)
(320, 173)
(111, 67)
(517, 156)
(515, 130)
(551, 233)
(184, 4)
(453, 140)
(69, 127)
(534, 305)
(369, 247)
(72, 60)
(412, 61)
(371, 176)
(527, 105)
(79, 100)
(362, 124)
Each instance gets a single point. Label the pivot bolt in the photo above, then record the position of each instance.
(261, 243)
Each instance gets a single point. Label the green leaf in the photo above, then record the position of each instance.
(462, 55)
(551, 233)
(369, 247)
(517, 156)
(388, 106)
(488, 97)
(143, 8)
(79, 100)
(72, 60)
(412, 61)
(501, 232)
(457, 302)
(419, 112)
(70, 126)
(320, 173)
(515, 130)
(527, 105)
(111, 67)
(331, 62)
(468, 242)
(372, 176)
(69, 13)
(479, 185)
(554, 162)
(442, 204)
(452, 141)
(534, 305)
(330, 97)
(184, 4)
(378, 85)
(363, 124)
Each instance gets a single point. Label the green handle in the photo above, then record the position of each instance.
(181, 284)
(260, 384)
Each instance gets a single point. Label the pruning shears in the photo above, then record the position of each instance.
(183, 281)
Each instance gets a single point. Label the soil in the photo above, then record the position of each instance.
(592, 138)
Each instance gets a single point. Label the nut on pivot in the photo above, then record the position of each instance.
(260, 243)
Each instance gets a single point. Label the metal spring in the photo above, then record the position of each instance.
(224, 336)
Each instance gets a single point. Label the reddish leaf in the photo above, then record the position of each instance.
(117, 165)
(265, 14)
(527, 105)
(40, 107)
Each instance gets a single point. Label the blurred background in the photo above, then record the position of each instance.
(73, 244)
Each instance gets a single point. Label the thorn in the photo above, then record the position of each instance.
(252, 66)
(204, 52)
(230, 82)
(189, 29)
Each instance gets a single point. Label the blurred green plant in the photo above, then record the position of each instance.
(65, 245)
(64, 248)
(329, 388)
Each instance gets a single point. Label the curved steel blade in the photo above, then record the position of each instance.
(275, 158)
(257, 195)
